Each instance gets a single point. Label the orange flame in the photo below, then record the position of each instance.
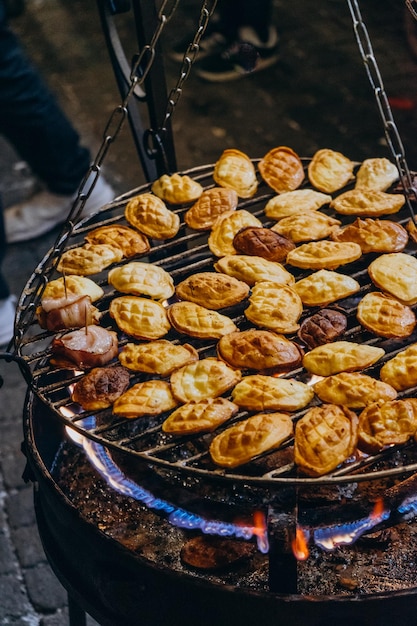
(378, 509)
(299, 545)
(259, 529)
(259, 523)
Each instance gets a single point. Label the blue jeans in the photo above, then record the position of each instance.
(32, 121)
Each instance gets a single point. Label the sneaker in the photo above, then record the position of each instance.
(7, 315)
(211, 42)
(45, 210)
(247, 55)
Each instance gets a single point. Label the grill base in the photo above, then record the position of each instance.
(116, 586)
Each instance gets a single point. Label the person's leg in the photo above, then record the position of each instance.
(42, 135)
(229, 14)
(7, 301)
(32, 121)
(258, 16)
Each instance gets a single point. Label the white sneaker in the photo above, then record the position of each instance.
(45, 210)
(7, 315)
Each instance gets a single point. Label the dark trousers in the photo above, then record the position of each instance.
(32, 121)
(236, 13)
(35, 126)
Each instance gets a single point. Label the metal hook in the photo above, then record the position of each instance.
(155, 148)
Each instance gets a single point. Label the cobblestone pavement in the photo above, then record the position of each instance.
(317, 96)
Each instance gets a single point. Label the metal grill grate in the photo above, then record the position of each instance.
(187, 254)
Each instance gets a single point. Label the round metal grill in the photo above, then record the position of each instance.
(186, 254)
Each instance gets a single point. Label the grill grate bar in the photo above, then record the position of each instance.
(143, 437)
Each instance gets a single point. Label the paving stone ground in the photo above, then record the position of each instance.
(317, 96)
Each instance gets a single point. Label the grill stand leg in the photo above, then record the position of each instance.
(77, 616)
(151, 130)
(282, 562)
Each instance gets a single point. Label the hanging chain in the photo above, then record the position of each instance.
(140, 69)
(412, 7)
(391, 131)
(190, 55)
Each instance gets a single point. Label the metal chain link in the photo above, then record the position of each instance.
(139, 73)
(190, 55)
(391, 131)
(154, 136)
(143, 63)
(412, 7)
(140, 68)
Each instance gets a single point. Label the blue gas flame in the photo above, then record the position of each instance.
(328, 538)
(112, 474)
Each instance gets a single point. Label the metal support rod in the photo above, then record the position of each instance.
(146, 108)
(283, 573)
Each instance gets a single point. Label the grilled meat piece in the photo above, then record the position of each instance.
(263, 242)
(323, 327)
(87, 347)
(100, 387)
(73, 312)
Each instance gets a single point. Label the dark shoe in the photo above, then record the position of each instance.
(245, 56)
(212, 41)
